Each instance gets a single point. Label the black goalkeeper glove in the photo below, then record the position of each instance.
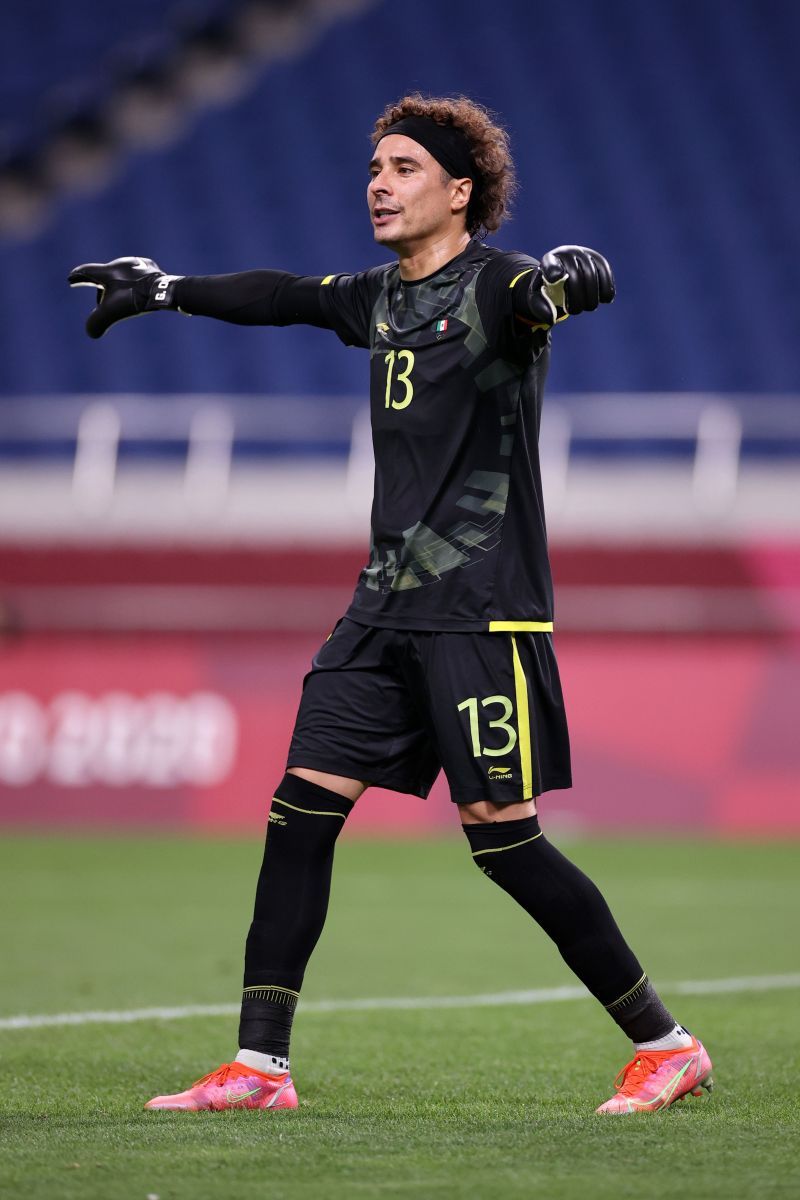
(570, 280)
(126, 287)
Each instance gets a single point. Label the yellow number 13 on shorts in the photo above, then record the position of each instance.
(471, 705)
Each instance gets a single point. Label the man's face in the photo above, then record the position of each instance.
(410, 197)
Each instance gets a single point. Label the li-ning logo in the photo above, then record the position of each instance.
(382, 328)
(500, 773)
(277, 819)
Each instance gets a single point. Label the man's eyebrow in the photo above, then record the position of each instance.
(397, 158)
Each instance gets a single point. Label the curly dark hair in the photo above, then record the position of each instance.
(488, 142)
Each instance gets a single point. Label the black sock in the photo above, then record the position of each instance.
(570, 909)
(290, 909)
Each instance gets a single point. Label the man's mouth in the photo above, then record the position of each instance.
(381, 215)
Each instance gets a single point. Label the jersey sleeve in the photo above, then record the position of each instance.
(253, 298)
(498, 304)
(348, 302)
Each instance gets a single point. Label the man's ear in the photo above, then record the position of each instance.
(460, 192)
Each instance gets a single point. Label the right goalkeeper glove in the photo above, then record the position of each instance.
(126, 287)
(572, 279)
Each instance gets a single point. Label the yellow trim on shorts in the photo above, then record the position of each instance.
(523, 722)
(520, 627)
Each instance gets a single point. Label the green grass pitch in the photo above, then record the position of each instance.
(438, 1102)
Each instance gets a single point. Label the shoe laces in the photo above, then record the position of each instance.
(221, 1075)
(635, 1072)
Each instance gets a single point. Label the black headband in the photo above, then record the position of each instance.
(447, 144)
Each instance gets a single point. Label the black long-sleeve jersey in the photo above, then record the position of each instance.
(456, 383)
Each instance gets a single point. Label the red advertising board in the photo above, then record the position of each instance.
(176, 731)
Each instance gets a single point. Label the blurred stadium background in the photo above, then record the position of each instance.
(184, 505)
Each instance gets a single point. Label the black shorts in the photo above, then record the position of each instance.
(393, 707)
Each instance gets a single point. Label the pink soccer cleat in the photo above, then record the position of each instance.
(654, 1079)
(233, 1085)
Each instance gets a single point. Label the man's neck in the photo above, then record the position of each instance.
(418, 262)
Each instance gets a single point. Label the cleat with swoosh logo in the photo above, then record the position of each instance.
(233, 1085)
(655, 1079)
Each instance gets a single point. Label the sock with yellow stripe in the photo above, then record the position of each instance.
(290, 909)
(570, 909)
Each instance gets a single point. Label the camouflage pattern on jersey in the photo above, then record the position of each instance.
(412, 317)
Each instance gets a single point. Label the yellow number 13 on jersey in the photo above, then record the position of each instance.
(404, 377)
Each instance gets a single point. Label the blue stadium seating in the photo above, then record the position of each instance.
(664, 133)
(53, 55)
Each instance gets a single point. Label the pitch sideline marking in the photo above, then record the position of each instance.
(686, 987)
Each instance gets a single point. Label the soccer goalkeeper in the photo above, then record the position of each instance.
(444, 660)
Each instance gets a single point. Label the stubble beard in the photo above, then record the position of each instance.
(388, 238)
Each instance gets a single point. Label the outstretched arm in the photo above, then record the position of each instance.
(568, 280)
(130, 287)
(254, 298)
